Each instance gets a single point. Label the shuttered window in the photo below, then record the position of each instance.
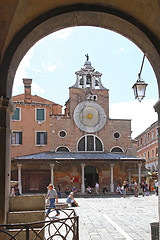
(41, 138)
(16, 138)
(16, 115)
(40, 114)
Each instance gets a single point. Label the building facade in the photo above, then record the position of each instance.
(80, 147)
(147, 147)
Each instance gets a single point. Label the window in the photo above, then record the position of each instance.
(41, 138)
(90, 143)
(117, 150)
(145, 138)
(16, 116)
(62, 134)
(148, 155)
(152, 134)
(157, 152)
(148, 136)
(157, 132)
(16, 138)
(141, 155)
(40, 114)
(116, 135)
(152, 153)
(62, 149)
(145, 156)
(141, 140)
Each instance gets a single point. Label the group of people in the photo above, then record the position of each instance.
(15, 191)
(89, 189)
(67, 190)
(137, 188)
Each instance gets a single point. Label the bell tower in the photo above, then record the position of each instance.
(88, 78)
(88, 89)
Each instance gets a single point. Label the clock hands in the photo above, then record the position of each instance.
(90, 116)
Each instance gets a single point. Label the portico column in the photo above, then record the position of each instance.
(111, 185)
(19, 178)
(129, 176)
(82, 185)
(139, 172)
(52, 173)
(6, 108)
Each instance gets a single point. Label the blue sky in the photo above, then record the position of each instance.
(53, 61)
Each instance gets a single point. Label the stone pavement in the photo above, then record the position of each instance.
(117, 218)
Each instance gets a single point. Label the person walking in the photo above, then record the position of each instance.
(156, 186)
(124, 188)
(59, 190)
(97, 188)
(135, 189)
(52, 195)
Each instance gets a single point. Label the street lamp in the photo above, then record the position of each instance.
(139, 87)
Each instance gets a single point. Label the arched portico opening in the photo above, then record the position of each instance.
(90, 176)
(75, 15)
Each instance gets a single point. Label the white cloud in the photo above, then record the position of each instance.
(119, 51)
(62, 34)
(142, 114)
(36, 89)
(22, 72)
(47, 67)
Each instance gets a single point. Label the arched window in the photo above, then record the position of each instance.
(117, 150)
(90, 143)
(62, 149)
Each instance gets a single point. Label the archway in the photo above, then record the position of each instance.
(53, 20)
(90, 176)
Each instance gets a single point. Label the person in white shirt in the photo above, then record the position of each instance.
(118, 190)
(97, 188)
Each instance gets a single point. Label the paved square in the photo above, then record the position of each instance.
(117, 218)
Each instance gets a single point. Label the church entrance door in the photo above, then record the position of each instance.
(90, 176)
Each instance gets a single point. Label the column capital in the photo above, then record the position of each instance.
(139, 165)
(6, 103)
(19, 165)
(52, 165)
(157, 106)
(83, 165)
(112, 164)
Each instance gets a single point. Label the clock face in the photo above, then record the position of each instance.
(89, 116)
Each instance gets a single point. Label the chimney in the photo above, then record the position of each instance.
(27, 88)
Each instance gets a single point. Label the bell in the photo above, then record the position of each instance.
(88, 79)
(81, 82)
(96, 83)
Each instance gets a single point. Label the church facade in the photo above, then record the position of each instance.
(80, 147)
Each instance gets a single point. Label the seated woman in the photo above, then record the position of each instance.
(74, 190)
(67, 191)
(89, 190)
(71, 200)
(118, 190)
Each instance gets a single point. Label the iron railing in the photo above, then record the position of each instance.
(66, 227)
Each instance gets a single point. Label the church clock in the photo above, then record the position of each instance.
(89, 116)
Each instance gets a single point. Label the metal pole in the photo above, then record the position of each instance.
(139, 75)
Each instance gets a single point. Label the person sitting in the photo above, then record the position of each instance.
(74, 190)
(71, 200)
(89, 190)
(105, 190)
(17, 193)
(118, 190)
(67, 191)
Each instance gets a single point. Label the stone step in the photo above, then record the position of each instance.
(22, 234)
(26, 217)
(27, 203)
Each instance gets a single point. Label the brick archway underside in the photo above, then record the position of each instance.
(76, 15)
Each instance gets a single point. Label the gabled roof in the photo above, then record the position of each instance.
(34, 98)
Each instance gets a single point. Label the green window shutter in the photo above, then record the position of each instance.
(38, 138)
(40, 115)
(16, 115)
(20, 137)
(45, 138)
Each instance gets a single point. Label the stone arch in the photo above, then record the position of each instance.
(76, 15)
(117, 149)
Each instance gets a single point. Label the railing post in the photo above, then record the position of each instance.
(27, 232)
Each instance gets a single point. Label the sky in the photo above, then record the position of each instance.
(53, 61)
